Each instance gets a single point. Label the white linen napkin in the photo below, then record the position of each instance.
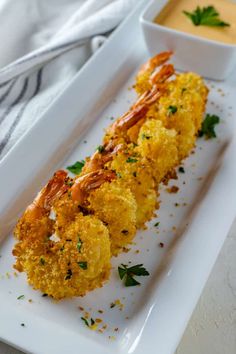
(43, 44)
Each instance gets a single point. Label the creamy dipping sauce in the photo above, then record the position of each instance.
(172, 16)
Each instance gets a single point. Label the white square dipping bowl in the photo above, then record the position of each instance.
(211, 59)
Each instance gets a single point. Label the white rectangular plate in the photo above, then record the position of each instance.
(154, 315)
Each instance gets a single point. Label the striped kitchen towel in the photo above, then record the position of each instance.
(43, 44)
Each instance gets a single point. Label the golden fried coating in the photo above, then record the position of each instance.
(181, 108)
(63, 264)
(116, 207)
(63, 252)
(181, 105)
(135, 174)
(159, 146)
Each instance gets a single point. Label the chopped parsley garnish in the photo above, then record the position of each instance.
(68, 274)
(79, 244)
(22, 325)
(172, 109)
(77, 167)
(208, 126)
(128, 273)
(118, 175)
(157, 224)
(69, 183)
(86, 321)
(144, 136)
(131, 160)
(100, 149)
(44, 295)
(181, 169)
(42, 261)
(21, 297)
(112, 305)
(206, 16)
(183, 90)
(83, 265)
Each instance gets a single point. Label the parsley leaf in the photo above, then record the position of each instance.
(83, 265)
(206, 16)
(21, 297)
(172, 109)
(68, 274)
(144, 136)
(181, 169)
(208, 126)
(77, 167)
(100, 149)
(131, 160)
(79, 244)
(128, 273)
(42, 261)
(157, 224)
(85, 321)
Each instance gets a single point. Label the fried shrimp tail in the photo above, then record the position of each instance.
(147, 75)
(84, 184)
(44, 200)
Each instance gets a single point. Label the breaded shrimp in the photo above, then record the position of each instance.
(136, 175)
(181, 105)
(111, 202)
(61, 257)
(159, 146)
(116, 206)
(68, 234)
(181, 109)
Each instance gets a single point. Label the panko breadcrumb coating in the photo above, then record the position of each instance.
(135, 174)
(181, 109)
(66, 237)
(116, 207)
(182, 104)
(64, 257)
(159, 146)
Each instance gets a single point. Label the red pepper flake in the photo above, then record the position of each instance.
(100, 311)
(161, 244)
(116, 329)
(81, 308)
